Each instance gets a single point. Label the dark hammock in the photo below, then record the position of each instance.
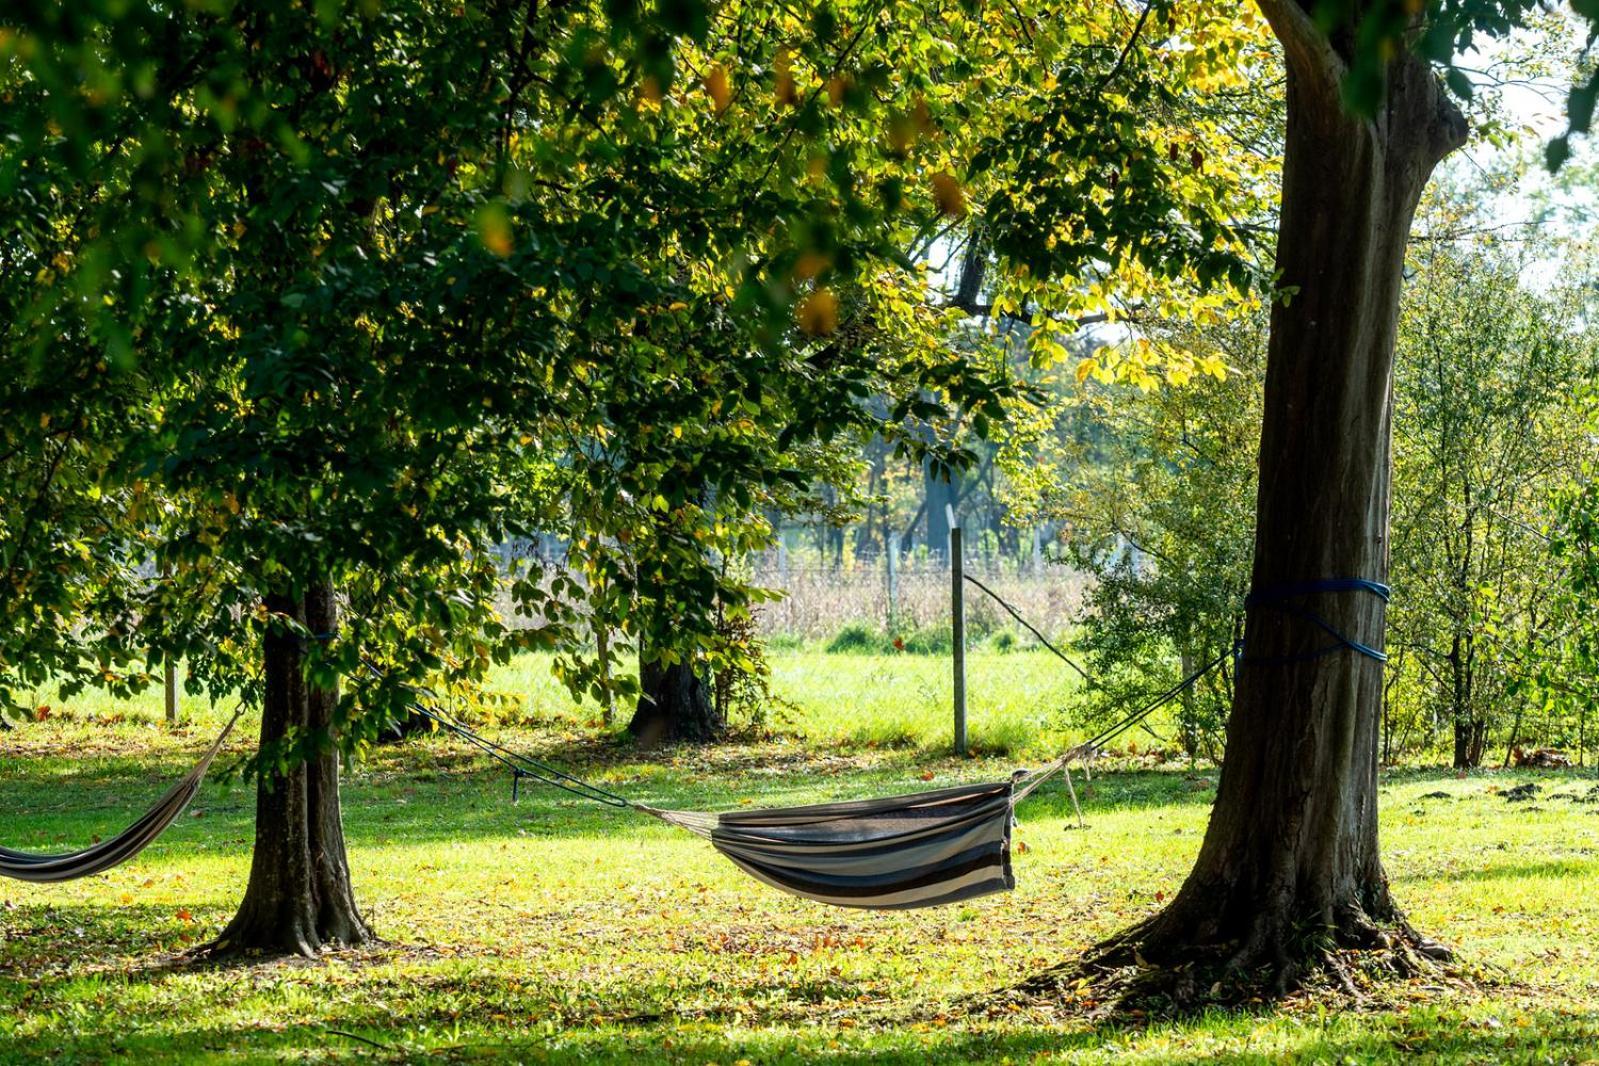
(898, 853)
(45, 869)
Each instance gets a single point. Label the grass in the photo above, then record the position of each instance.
(553, 931)
(1015, 700)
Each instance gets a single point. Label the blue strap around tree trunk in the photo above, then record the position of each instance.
(1278, 596)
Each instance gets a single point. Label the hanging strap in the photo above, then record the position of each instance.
(519, 764)
(524, 765)
(1084, 674)
(1280, 597)
(1089, 749)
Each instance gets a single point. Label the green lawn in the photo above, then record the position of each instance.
(1015, 700)
(554, 931)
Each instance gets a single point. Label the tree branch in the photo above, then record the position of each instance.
(1310, 52)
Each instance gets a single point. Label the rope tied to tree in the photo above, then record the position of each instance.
(1280, 597)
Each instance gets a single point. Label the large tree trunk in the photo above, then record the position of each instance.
(1291, 849)
(299, 898)
(674, 705)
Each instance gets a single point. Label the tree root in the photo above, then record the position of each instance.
(1116, 979)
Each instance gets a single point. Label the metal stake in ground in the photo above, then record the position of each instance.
(957, 603)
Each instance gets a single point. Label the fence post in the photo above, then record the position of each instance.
(893, 579)
(782, 581)
(169, 670)
(957, 601)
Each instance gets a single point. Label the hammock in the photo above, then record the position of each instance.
(921, 850)
(925, 849)
(47, 869)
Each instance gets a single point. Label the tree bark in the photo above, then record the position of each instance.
(674, 705)
(339, 920)
(299, 898)
(1291, 850)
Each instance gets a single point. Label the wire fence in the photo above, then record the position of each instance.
(912, 595)
(901, 594)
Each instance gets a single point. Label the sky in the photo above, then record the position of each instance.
(1538, 106)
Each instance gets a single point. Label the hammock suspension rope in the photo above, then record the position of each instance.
(918, 850)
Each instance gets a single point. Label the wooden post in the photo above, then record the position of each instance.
(171, 679)
(893, 579)
(169, 671)
(957, 601)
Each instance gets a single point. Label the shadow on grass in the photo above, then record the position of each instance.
(413, 1030)
(1559, 869)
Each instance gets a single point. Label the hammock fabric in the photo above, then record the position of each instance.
(898, 853)
(46, 869)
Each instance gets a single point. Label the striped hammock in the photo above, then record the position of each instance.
(902, 852)
(48, 869)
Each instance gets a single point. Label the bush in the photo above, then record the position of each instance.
(785, 642)
(857, 638)
(928, 640)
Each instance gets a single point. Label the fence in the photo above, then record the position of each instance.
(820, 600)
(910, 594)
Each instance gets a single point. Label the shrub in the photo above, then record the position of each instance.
(856, 638)
(927, 640)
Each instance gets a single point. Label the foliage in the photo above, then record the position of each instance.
(855, 637)
(1486, 433)
(1489, 428)
(409, 313)
(741, 692)
(1561, 676)
(1157, 505)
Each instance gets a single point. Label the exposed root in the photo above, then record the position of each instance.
(294, 940)
(1117, 979)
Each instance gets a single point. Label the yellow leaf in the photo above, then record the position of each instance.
(818, 313)
(787, 89)
(494, 229)
(717, 86)
(948, 195)
(808, 265)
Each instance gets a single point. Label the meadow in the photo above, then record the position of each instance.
(556, 931)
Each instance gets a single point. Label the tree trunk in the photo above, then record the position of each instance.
(674, 705)
(299, 898)
(1291, 849)
(339, 921)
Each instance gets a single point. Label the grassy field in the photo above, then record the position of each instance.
(1015, 700)
(557, 932)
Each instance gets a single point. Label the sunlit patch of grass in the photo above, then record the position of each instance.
(1017, 702)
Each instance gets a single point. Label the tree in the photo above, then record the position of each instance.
(247, 374)
(299, 897)
(1486, 432)
(1290, 865)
